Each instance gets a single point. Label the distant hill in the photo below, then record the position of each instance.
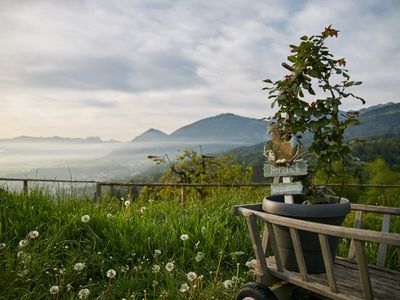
(214, 135)
(55, 139)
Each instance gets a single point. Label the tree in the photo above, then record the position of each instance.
(196, 168)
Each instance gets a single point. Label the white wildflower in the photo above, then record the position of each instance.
(127, 203)
(248, 264)
(23, 243)
(69, 287)
(191, 276)
(155, 268)
(142, 209)
(109, 216)
(54, 290)
(83, 293)
(85, 218)
(33, 234)
(111, 273)
(199, 256)
(157, 252)
(184, 237)
(124, 269)
(184, 288)
(169, 266)
(79, 266)
(3, 246)
(228, 284)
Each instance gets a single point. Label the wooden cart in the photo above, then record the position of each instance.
(346, 278)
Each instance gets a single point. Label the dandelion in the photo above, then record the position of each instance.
(79, 266)
(54, 290)
(199, 256)
(109, 216)
(227, 284)
(3, 246)
(157, 252)
(85, 218)
(33, 234)
(191, 276)
(169, 266)
(83, 293)
(69, 287)
(155, 268)
(184, 237)
(127, 203)
(142, 209)
(111, 273)
(184, 288)
(124, 269)
(23, 243)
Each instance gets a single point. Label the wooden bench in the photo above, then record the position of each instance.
(350, 278)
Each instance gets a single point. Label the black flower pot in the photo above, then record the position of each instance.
(332, 213)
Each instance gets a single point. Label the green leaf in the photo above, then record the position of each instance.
(267, 81)
(304, 38)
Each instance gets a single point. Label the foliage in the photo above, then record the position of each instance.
(309, 97)
(195, 168)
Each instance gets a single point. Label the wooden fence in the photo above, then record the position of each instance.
(183, 186)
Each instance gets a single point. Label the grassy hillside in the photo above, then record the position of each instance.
(137, 250)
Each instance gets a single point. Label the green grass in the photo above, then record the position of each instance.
(125, 239)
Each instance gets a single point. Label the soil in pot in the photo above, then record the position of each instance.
(333, 213)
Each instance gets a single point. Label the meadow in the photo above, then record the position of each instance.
(130, 248)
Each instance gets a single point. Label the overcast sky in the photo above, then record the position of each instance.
(116, 68)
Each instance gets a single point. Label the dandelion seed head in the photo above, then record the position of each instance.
(127, 203)
(3, 246)
(199, 256)
(184, 288)
(227, 284)
(85, 218)
(54, 290)
(33, 234)
(83, 293)
(169, 266)
(156, 268)
(157, 252)
(191, 276)
(111, 273)
(184, 237)
(23, 243)
(79, 266)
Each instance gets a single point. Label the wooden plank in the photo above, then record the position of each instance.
(274, 247)
(287, 188)
(256, 207)
(299, 253)
(265, 239)
(376, 209)
(327, 256)
(357, 224)
(294, 169)
(363, 267)
(258, 248)
(360, 234)
(382, 246)
(287, 198)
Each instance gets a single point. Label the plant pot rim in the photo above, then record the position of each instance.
(276, 205)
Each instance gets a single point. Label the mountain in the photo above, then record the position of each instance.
(214, 135)
(151, 135)
(54, 139)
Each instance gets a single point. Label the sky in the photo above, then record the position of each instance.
(114, 69)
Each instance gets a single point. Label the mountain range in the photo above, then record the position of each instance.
(213, 135)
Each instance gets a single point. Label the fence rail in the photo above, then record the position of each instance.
(183, 186)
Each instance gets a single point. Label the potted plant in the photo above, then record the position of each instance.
(308, 100)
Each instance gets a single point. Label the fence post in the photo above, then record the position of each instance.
(98, 190)
(25, 186)
(183, 195)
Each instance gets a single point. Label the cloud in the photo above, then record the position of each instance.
(151, 63)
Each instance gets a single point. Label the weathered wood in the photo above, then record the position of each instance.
(347, 279)
(357, 224)
(25, 186)
(265, 239)
(251, 222)
(376, 209)
(98, 191)
(294, 169)
(363, 267)
(360, 234)
(251, 207)
(286, 188)
(288, 198)
(183, 195)
(274, 247)
(328, 263)
(299, 253)
(382, 246)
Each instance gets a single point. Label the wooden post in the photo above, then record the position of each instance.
(183, 195)
(383, 246)
(26, 186)
(98, 190)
